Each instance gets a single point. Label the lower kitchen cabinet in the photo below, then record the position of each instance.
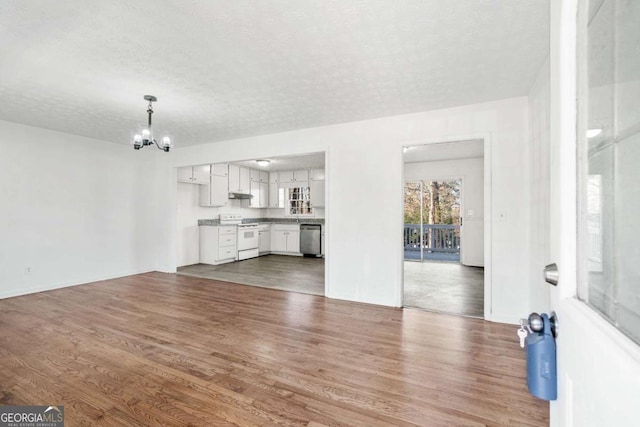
(285, 238)
(218, 244)
(264, 239)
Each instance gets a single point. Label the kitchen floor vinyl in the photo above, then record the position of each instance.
(446, 287)
(286, 273)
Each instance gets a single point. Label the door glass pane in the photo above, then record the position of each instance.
(609, 161)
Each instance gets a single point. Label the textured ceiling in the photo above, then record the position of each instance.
(444, 151)
(228, 69)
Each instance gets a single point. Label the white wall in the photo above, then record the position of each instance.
(364, 195)
(539, 188)
(73, 209)
(471, 171)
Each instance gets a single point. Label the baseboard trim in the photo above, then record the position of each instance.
(59, 285)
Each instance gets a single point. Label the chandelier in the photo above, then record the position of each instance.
(143, 135)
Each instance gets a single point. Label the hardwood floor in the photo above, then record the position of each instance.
(287, 273)
(166, 349)
(445, 287)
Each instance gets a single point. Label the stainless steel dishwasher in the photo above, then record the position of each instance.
(310, 241)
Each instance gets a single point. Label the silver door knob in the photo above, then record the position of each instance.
(551, 275)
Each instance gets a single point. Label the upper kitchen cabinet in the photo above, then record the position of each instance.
(316, 175)
(298, 178)
(220, 169)
(285, 176)
(273, 177)
(301, 175)
(216, 193)
(194, 174)
(260, 193)
(259, 176)
(316, 189)
(316, 186)
(239, 179)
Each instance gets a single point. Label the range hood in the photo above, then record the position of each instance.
(240, 196)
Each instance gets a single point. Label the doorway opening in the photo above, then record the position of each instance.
(443, 237)
(432, 220)
(258, 222)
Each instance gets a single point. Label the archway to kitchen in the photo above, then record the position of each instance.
(257, 222)
(443, 237)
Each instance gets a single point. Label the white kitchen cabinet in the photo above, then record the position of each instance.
(194, 174)
(254, 202)
(278, 241)
(216, 193)
(274, 196)
(245, 180)
(285, 238)
(264, 194)
(264, 176)
(273, 177)
(316, 175)
(234, 178)
(317, 193)
(301, 175)
(220, 169)
(218, 244)
(264, 239)
(185, 174)
(254, 175)
(293, 242)
(260, 193)
(285, 176)
(239, 179)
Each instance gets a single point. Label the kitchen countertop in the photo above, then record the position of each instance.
(215, 222)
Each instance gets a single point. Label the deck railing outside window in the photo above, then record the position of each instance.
(435, 238)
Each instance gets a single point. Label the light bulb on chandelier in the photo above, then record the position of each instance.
(143, 135)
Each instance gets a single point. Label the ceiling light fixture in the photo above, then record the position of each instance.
(263, 163)
(592, 133)
(143, 135)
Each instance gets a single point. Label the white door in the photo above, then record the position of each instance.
(598, 360)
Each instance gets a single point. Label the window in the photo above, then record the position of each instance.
(609, 160)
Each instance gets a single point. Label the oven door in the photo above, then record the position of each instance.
(247, 238)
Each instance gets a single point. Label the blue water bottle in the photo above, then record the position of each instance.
(541, 359)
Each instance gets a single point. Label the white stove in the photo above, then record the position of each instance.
(247, 235)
